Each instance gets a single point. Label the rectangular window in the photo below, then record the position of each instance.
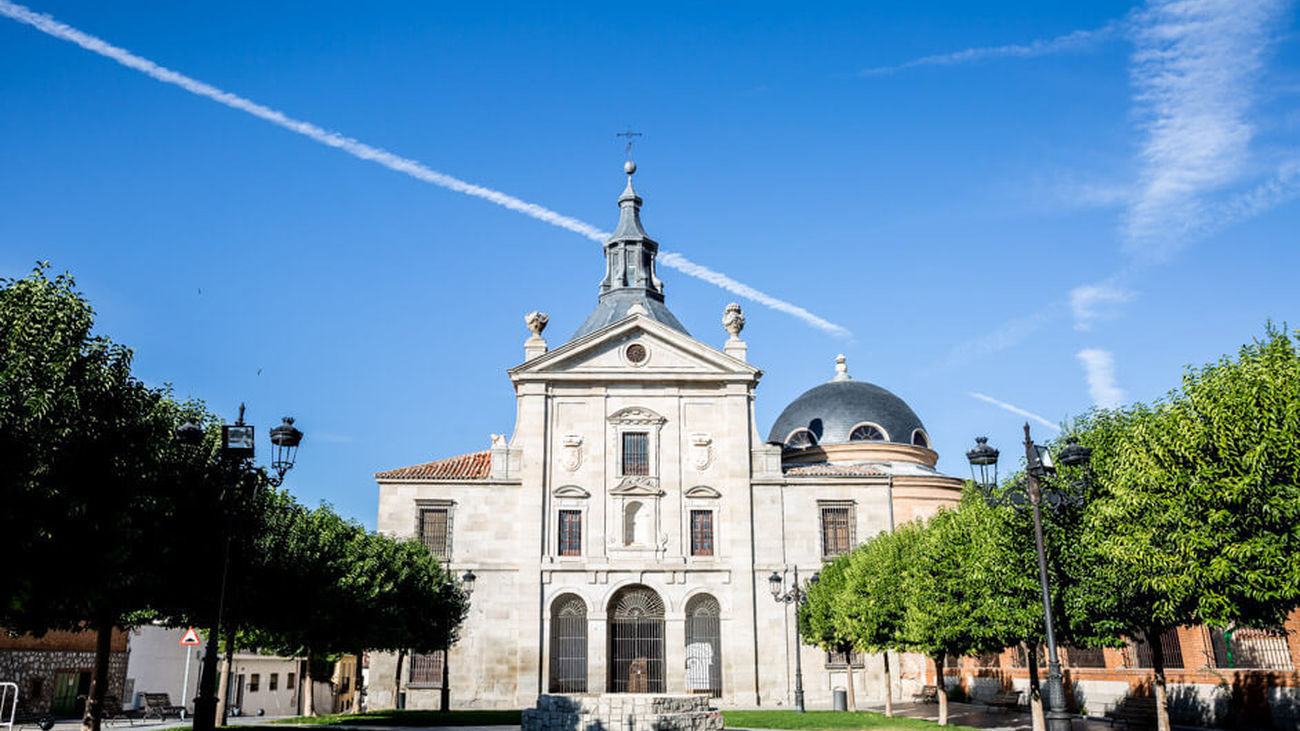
(701, 532)
(288, 681)
(837, 528)
(435, 531)
(254, 682)
(1085, 657)
(570, 532)
(841, 659)
(1264, 649)
(273, 683)
(636, 453)
(1171, 649)
(426, 669)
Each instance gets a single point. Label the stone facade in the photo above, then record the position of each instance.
(622, 712)
(38, 664)
(636, 508)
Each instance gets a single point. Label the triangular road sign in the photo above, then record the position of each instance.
(191, 637)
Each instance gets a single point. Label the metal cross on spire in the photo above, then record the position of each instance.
(631, 137)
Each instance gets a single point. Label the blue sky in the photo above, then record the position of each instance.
(1049, 205)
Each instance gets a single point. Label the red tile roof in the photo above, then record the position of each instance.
(826, 469)
(472, 466)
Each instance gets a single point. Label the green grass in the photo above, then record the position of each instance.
(825, 721)
(401, 718)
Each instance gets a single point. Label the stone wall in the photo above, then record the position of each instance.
(622, 712)
(34, 671)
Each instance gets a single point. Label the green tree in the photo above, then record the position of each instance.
(1196, 515)
(873, 605)
(819, 623)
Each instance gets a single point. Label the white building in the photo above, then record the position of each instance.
(624, 535)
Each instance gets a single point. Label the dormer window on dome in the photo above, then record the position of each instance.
(920, 438)
(868, 433)
(800, 439)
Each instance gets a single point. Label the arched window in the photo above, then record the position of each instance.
(800, 439)
(868, 433)
(920, 439)
(636, 524)
(636, 641)
(704, 645)
(568, 644)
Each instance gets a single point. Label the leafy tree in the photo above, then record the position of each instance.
(872, 605)
(1197, 512)
(819, 623)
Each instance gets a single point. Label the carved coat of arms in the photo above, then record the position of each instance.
(571, 452)
(701, 451)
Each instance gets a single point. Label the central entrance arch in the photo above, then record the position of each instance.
(636, 641)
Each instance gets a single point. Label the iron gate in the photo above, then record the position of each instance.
(636, 641)
(704, 646)
(568, 645)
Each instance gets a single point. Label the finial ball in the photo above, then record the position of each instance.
(629, 167)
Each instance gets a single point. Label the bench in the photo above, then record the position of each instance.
(159, 706)
(1134, 711)
(1005, 699)
(114, 711)
(927, 694)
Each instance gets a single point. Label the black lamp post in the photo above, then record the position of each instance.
(795, 595)
(467, 580)
(237, 448)
(1033, 494)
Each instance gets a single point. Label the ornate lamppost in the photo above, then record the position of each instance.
(467, 580)
(237, 449)
(1035, 492)
(795, 595)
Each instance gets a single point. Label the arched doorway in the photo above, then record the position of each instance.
(636, 641)
(704, 645)
(568, 644)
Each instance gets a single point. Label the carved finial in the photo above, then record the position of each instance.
(536, 322)
(733, 320)
(842, 368)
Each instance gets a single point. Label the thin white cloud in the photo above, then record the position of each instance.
(413, 168)
(1016, 410)
(1072, 41)
(1195, 69)
(1092, 303)
(1007, 335)
(1099, 369)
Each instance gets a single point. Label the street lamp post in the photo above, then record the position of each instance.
(1038, 466)
(237, 448)
(795, 595)
(467, 580)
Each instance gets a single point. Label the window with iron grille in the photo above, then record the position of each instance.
(1264, 649)
(701, 532)
(426, 669)
(636, 453)
(570, 532)
(1085, 657)
(1172, 650)
(842, 659)
(837, 528)
(435, 531)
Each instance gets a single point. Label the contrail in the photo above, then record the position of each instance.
(1069, 42)
(413, 168)
(1016, 410)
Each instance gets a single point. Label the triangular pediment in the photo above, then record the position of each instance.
(663, 354)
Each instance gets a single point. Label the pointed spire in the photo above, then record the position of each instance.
(629, 214)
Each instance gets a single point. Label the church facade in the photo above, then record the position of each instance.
(625, 536)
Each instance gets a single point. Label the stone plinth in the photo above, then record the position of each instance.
(622, 712)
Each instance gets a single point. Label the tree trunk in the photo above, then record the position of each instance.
(1158, 681)
(397, 681)
(941, 688)
(848, 666)
(356, 684)
(94, 712)
(308, 689)
(1035, 690)
(889, 689)
(223, 686)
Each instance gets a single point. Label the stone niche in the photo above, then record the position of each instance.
(622, 712)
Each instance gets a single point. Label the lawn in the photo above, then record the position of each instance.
(825, 720)
(401, 718)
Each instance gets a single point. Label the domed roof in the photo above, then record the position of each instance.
(832, 410)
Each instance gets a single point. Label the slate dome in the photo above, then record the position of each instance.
(832, 410)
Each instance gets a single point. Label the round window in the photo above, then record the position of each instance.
(636, 353)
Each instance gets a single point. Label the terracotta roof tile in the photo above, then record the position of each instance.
(472, 466)
(826, 469)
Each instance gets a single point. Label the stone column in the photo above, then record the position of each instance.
(675, 653)
(597, 651)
